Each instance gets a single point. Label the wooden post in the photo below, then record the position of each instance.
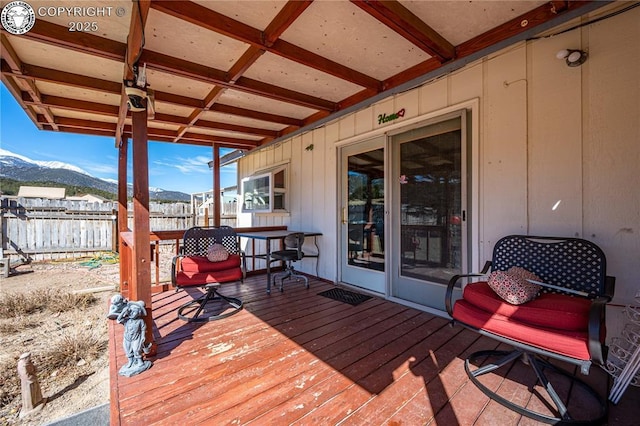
(124, 251)
(140, 288)
(216, 185)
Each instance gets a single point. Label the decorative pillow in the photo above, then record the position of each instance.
(217, 253)
(512, 285)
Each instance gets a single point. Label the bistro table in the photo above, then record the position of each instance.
(269, 236)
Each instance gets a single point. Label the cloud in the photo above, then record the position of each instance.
(184, 165)
(101, 169)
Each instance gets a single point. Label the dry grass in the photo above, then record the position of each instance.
(60, 319)
(17, 304)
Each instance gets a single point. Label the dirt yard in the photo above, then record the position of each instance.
(82, 382)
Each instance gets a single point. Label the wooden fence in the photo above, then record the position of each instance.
(43, 229)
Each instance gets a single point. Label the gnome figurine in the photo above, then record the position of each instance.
(32, 399)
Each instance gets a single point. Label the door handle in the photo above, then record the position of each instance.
(344, 215)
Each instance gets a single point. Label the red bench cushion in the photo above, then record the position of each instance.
(556, 311)
(570, 343)
(198, 270)
(202, 264)
(554, 322)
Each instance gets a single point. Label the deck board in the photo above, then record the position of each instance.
(300, 358)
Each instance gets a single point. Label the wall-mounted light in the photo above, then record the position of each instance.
(573, 58)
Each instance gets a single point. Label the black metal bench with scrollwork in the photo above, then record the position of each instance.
(565, 322)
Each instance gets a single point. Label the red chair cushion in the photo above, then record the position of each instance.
(554, 311)
(198, 270)
(194, 279)
(570, 343)
(202, 264)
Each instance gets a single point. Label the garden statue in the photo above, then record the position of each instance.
(118, 303)
(31, 394)
(134, 335)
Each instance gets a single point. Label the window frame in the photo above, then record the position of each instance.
(272, 189)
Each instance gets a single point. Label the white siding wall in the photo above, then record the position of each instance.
(547, 134)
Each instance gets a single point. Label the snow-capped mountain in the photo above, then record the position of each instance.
(21, 168)
(6, 158)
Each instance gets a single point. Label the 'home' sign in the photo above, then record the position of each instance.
(384, 118)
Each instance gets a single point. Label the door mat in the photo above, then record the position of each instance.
(345, 296)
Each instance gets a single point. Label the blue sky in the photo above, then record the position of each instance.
(175, 167)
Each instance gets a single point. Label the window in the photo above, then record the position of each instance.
(265, 192)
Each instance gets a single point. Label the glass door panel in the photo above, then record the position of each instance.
(430, 207)
(363, 215)
(428, 211)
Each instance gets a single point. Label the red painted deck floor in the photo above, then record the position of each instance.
(300, 358)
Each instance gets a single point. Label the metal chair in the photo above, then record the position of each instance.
(292, 253)
(565, 322)
(192, 268)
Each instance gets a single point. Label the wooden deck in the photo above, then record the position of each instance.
(299, 358)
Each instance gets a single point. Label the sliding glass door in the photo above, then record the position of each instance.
(363, 215)
(429, 210)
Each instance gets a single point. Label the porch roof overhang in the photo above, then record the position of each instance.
(248, 73)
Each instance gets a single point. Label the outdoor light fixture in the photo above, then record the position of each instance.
(574, 58)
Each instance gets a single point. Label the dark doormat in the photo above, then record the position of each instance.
(345, 296)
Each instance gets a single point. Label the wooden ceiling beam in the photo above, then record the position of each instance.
(261, 88)
(109, 111)
(209, 19)
(257, 115)
(283, 20)
(248, 58)
(72, 104)
(9, 54)
(60, 36)
(11, 58)
(135, 44)
(320, 63)
(522, 23)
(267, 40)
(215, 125)
(415, 71)
(498, 34)
(77, 123)
(91, 132)
(180, 67)
(404, 22)
(86, 43)
(16, 91)
(70, 79)
(221, 139)
(106, 86)
(102, 128)
(170, 140)
(135, 39)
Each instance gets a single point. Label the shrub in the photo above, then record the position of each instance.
(88, 344)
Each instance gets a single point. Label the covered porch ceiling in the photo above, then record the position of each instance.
(242, 74)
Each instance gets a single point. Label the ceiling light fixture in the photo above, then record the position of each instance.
(574, 58)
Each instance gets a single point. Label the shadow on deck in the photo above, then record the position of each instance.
(299, 358)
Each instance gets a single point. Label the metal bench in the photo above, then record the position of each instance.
(565, 322)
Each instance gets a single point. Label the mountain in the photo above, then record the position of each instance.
(48, 164)
(23, 169)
